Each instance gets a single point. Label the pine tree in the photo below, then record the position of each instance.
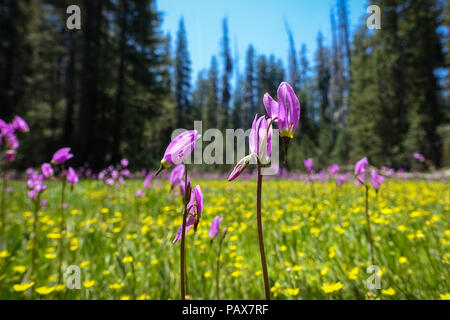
(322, 69)
(182, 76)
(212, 98)
(227, 71)
(263, 80)
(15, 17)
(424, 55)
(250, 98)
(294, 77)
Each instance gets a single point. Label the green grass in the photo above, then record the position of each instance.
(313, 236)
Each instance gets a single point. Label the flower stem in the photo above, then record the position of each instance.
(218, 264)
(183, 234)
(260, 234)
(62, 229)
(3, 244)
(34, 252)
(369, 233)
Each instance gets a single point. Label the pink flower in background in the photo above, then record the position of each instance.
(361, 167)
(11, 141)
(419, 157)
(10, 155)
(309, 165)
(139, 193)
(35, 184)
(47, 170)
(20, 125)
(115, 174)
(124, 163)
(340, 180)
(177, 175)
(215, 227)
(72, 177)
(376, 179)
(62, 156)
(148, 180)
(334, 169)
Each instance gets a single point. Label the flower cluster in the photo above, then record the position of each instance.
(115, 175)
(285, 112)
(8, 135)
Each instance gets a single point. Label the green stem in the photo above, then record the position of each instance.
(3, 244)
(35, 237)
(369, 233)
(260, 234)
(183, 235)
(62, 229)
(218, 265)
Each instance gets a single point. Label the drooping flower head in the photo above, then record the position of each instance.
(72, 177)
(240, 167)
(62, 156)
(195, 209)
(20, 125)
(309, 165)
(215, 227)
(179, 149)
(376, 179)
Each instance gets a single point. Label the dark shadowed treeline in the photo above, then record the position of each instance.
(119, 86)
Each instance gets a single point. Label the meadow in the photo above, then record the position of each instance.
(315, 237)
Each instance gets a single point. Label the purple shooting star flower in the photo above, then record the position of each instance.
(47, 170)
(179, 149)
(260, 141)
(20, 125)
(215, 227)
(309, 165)
(195, 209)
(376, 179)
(72, 177)
(61, 156)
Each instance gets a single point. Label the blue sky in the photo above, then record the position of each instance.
(260, 22)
